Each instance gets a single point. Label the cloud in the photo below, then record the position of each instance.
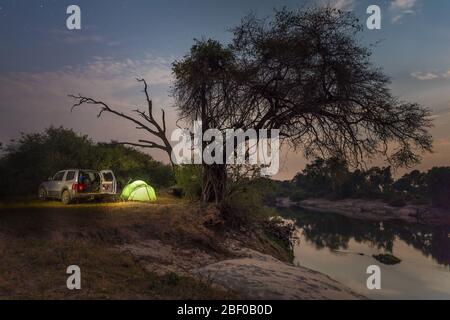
(157, 70)
(430, 75)
(424, 75)
(400, 8)
(440, 113)
(343, 4)
(75, 39)
(405, 5)
(32, 101)
(442, 142)
(102, 76)
(79, 37)
(446, 74)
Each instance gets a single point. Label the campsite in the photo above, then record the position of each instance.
(126, 250)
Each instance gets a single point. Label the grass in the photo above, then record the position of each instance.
(32, 203)
(39, 240)
(35, 269)
(279, 249)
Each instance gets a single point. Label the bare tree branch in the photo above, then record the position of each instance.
(146, 122)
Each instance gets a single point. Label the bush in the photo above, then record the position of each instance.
(298, 195)
(130, 164)
(189, 179)
(245, 207)
(438, 186)
(397, 201)
(419, 201)
(25, 163)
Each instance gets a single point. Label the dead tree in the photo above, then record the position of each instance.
(145, 121)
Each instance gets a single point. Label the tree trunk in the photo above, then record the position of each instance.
(214, 183)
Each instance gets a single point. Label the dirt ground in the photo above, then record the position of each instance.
(165, 250)
(38, 241)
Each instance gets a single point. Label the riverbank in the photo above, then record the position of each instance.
(374, 210)
(165, 250)
(261, 276)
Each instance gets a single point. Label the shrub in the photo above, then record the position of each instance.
(438, 186)
(245, 207)
(397, 201)
(25, 163)
(419, 201)
(298, 195)
(189, 179)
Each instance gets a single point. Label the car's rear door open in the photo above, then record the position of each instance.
(109, 184)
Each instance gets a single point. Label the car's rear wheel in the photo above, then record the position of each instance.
(65, 197)
(42, 194)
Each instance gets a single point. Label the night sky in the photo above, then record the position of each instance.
(41, 61)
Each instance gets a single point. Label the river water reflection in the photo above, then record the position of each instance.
(342, 248)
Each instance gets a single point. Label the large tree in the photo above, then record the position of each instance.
(205, 89)
(305, 73)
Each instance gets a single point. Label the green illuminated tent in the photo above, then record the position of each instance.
(138, 191)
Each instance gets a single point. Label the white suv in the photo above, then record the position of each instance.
(73, 184)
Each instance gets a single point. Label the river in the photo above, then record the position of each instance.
(342, 248)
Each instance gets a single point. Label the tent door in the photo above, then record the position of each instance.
(109, 183)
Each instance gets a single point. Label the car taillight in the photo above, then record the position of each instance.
(78, 187)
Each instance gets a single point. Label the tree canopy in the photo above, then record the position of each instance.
(305, 73)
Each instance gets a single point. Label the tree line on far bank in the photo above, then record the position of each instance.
(25, 163)
(332, 178)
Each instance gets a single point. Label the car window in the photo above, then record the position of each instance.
(70, 176)
(59, 176)
(88, 176)
(108, 176)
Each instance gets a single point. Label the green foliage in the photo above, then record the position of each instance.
(396, 200)
(438, 186)
(261, 190)
(411, 183)
(130, 164)
(377, 182)
(331, 178)
(189, 179)
(25, 163)
(298, 195)
(249, 203)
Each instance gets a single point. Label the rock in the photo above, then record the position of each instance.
(387, 258)
(260, 276)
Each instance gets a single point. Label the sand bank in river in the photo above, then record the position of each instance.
(374, 210)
